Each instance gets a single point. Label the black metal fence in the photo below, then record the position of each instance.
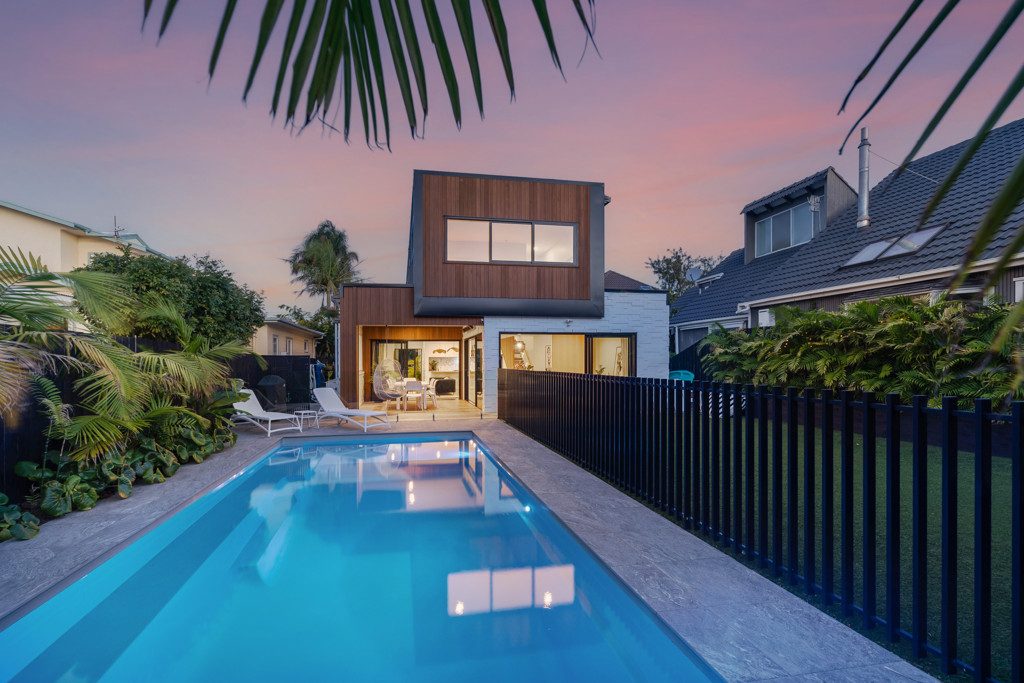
(840, 495)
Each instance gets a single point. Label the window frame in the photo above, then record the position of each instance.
(771, 226)
(533, 242)
(588, 348)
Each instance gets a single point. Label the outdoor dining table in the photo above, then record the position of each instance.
(401, 385)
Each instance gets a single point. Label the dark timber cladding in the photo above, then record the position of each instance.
(370, 305)
(445, 288)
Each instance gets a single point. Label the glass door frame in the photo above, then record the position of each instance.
(469, 393)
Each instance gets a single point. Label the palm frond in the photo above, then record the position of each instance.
(1011, 193)
(337, 42)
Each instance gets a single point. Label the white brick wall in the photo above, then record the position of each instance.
(644, 313)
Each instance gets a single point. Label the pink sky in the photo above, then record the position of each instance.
(694, 109)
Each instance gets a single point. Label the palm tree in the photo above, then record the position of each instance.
(37, 307)
(324, 262)
(334, 48)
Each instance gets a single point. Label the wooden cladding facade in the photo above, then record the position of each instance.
(471, 197)
(376, 308)
(445, 288)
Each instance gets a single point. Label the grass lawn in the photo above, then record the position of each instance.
(965, 554)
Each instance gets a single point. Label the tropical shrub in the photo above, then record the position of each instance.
(37, 311)
(201, 289)
(894, 345)
(15, 523)
(134, 416)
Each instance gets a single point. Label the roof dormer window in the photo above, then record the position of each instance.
(784, 229)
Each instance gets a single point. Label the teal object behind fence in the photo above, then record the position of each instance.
(684, 375)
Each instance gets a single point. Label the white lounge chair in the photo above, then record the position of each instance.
(252, 412)
(331, 405)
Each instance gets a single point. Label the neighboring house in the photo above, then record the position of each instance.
(281, 336)
(60, 244)
(866, 249)
(502, 272)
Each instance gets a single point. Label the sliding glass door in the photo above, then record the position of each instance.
(473, 381)
(410, 361)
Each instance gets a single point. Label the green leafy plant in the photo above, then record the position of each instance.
(201, 289)
(1012, 193)
(671, 270)
(15, 523)
(58, 491)
(893, 345)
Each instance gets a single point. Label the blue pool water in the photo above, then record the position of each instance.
(388, 560)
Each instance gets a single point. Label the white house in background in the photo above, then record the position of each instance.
(281, 336)
(62, 245)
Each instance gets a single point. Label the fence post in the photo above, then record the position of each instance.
(792, 484)
(1017, 542)
(950, 444)
(893, 442)
(705, 457)
(869, 528)
(982, 539)
(777, 481)
(846, 502)
(809, 498)
(737, 467)
(727, 408)
(762, 475)
(827, 498)
(748, 454)
(919, 520)
(686, 485)
(716, 452)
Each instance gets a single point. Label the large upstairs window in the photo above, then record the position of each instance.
(482, 241)
(783, 230)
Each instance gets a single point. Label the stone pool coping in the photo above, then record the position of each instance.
(744, 625)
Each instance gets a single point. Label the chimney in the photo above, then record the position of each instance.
(863, 185)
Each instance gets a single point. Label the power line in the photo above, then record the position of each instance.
(907, 168)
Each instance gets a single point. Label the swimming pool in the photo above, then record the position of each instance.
(387, 559)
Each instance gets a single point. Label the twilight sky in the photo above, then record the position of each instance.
(694, 109)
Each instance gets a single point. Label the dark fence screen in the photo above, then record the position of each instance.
(284, 384)
(690, 359)
(879, 512)
(293, 389)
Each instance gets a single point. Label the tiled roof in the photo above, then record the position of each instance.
(719, 298)
(895, 206)
(811, 182)
(623, 283)
(288, 322)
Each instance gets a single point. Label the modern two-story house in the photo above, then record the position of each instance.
(859, 245)
(502, 272)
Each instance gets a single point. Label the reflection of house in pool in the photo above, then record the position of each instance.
(400, 501)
